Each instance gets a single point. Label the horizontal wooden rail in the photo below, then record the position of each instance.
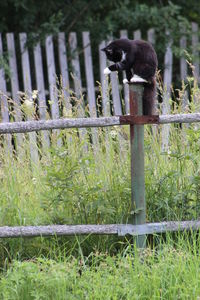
(28, 126)
(118, 229)
(17, 127)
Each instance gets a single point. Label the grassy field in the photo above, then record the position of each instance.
(169, 271)
(72, 186)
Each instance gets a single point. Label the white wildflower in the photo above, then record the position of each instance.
(34, 94)
(113, 133)
(28, 103)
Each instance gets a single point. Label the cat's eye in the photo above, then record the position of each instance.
(109, 51)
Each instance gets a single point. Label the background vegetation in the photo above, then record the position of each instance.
(100, 17)
(70, 186)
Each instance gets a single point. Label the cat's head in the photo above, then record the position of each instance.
(112, 52)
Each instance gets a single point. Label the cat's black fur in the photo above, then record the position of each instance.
(135, 57)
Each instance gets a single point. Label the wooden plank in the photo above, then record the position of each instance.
(167, 81)
(52, 230)
(39, 72)
(62, 55)
(137, 35)
(28, 91)
(179, 118)
(124, 35)
(26, 72)
(90, 83)
(104, 91)
(14, 75)
(162, 227)
(76, 67)
(151, 36)
(4, 102)
(138, 203)
(183, 63)
(53, 93)
(109, 229)
(115, 94)
(15, 88)
(76, 74)
(183, 69)
(117, 109)
(195, 52)
(104, 81)
(151, 39)
(52, 77)
(29, 126)
(89, 73)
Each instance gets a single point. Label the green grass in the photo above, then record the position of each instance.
(170, 271)
(74, 186)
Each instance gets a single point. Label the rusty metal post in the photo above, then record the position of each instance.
(138, 205)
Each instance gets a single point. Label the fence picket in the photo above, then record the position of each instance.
(77, 79)
(168, 60)
(183, 69)
(62, 55)
(104, 90)
(137, 35)
(75, 67)
(151, 36)
(104, 81)
(52, 77)
(89, 74)
(41, 91)
(124, 34)
(115, 94)
(90, 83)
(195, 45)
(28, 91)
(53, 92)
(4, 102)
(15, 89)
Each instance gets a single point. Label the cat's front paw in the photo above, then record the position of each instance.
(125, 80)
(137, 78)
(106, 71)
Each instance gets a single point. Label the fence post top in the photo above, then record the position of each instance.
(137, 86)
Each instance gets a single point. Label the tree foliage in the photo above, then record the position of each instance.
(100, 17)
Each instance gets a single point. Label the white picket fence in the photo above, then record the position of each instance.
(72, 60)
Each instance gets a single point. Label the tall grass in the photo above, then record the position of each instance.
(169, 271)
(73, 186)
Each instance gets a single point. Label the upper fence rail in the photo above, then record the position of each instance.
(35, 80)
(30, 126)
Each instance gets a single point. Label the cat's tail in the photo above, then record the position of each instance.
(149, 97)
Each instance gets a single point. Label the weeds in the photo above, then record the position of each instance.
(79, 184)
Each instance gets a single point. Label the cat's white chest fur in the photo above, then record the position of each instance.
(123, 56)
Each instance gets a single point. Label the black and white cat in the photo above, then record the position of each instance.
(139, 60)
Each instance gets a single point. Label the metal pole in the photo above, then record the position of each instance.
(138, 205)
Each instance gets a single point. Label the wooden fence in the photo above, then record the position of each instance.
(39, 70)
(136, 120)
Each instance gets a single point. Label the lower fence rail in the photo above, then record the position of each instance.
(114, 229)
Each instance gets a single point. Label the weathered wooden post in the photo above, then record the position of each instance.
(138, 204)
